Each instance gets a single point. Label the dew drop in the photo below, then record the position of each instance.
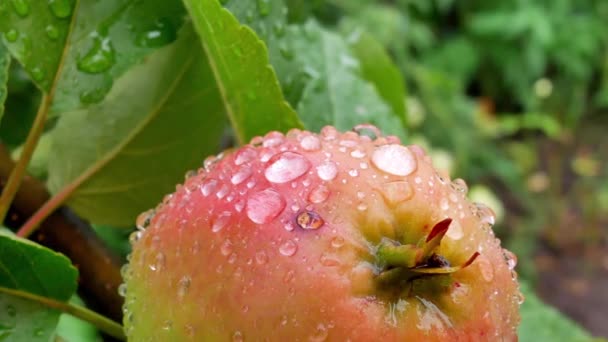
(11, 311)
(460, 185)
(52, 32)
(237, 336)
(261, 257)
(11, 35)
(310, 143)
(288, 276)
(320, 334)
(122, 290)
(263, 7)
(328, 260)
(245, 155)
(162, 33)
(288, 248)
(443, 204)
(353, 172)
(368, 130)
(327, 170)
(397, 192)
(221, 221)
(241, 176)
(309, 220)
(357, 154)
(143, 220)
(510, 258)
(209, 187)
(285, 51)
(485, 214)
(394, 159)
(226, 247)
(286, 167)
(22, 7)
(61, 8)
(318, 194)
(99, 58)
(485, 267)
(264, 206)
(222, 192)
(37, 74)
(159, 262)
(337, 242)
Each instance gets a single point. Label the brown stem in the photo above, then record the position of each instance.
(65, 232)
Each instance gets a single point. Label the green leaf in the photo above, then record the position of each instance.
(110, 37)
(541, 322)
(313, 64)
(5, 60)
(378, 68)
(35, 33)
(31, 268)
(72, 329)
(121, 156)
(335, 92)
(239, 60)
(90, 43)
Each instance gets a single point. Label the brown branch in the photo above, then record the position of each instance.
(65, 232)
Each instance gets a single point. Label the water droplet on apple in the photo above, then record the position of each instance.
(327, 170)
(310, 143)
(264, 206)
(394, 159)
(288, 248)
(241, 176)
(221, 221)
(318, 194)
(286, 167)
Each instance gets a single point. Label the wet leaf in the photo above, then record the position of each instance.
(110, 37)
(378, 68)
(239, 60)
(160, 119)
(35, 33)
(4, 64)
(335, 93)
(90, 43)
(31, 268)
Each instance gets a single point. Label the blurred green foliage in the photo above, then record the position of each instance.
(510, 95)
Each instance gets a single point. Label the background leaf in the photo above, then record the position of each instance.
(4, 64)
(252, 96)
(31, 268)
(378, 68)
(334, 92)
(540, 322)
(35, 33)
(159, 120)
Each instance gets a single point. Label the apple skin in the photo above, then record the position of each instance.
(278, 240)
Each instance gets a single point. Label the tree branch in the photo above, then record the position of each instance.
(65, 232)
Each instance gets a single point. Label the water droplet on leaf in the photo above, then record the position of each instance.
(99, 58)
(61, 8)
(162, 33)
(22, 7)
(52, 32)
